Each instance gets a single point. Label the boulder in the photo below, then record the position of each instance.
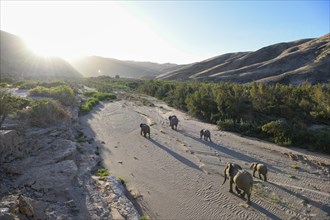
(10, 145)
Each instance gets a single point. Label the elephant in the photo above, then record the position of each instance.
(145, 129)
(242, 179)
(206, 133)
(261, 168)
(173, 121)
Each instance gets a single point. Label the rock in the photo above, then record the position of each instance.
(25, 207)
(10, 145)
(68, 151)
(55, 177)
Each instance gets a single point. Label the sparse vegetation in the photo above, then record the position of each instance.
(121, 180)
(305, 201)
(10, 104)
(95, 99)
(144, 217)
(43, 113)
(102, 173)
(274, 198)
(295, 166)
(258, 191)
(62, 93)
(292, 177)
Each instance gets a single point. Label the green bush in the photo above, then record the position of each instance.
(63, 93)
(323, 140)
(96, 97)
(10, 104)
(244, 127)
(87, 107)
(27, 84)
(279, 131)
(102, 173)
(44, 113)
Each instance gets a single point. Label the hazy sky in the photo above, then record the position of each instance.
(161, 31)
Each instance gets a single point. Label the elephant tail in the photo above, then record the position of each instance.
(225, 177)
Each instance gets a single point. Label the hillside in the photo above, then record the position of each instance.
(287, 63)
(18, 62)
(91, 66)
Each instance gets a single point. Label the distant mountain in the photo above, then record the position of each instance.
(285, 63)
(19, 63)
(95, 66)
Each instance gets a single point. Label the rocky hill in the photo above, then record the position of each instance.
(91, 66)
(19, 63)
(287, 63)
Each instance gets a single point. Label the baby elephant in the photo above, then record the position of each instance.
(145, 129)
(261, 168)
(206, 133)
(241, 178)
(173, 121)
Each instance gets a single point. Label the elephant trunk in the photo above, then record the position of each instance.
(225, 174)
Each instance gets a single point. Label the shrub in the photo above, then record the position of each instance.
(44, 113)
(10, 104)
(144, 217)
(323, 140)
(27, 84)
(245, 127)
(87, 107)
(102, 173)
(279, 130)
(121, 180)
(62, 93)
(96, 97)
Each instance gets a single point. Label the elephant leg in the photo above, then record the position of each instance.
(265, 177)
(254, 172)
(260, 176)
(237, 190)
(243, 194)
(231, 185)
(248, 199)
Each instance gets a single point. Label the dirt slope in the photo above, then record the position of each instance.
(287, 63)
(176, 175)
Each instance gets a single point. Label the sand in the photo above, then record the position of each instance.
(177, 175)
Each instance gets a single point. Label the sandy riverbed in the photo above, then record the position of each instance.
(176, 175)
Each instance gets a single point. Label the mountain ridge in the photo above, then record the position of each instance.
(91, 66)
(287, 63)
(20, 63)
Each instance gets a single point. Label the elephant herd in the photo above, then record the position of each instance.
(242, 179)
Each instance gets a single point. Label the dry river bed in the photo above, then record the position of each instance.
(177, 175)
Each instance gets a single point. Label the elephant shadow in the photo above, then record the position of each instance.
(323, 207)
(259, 208)
(176, 155)
(230, 152)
